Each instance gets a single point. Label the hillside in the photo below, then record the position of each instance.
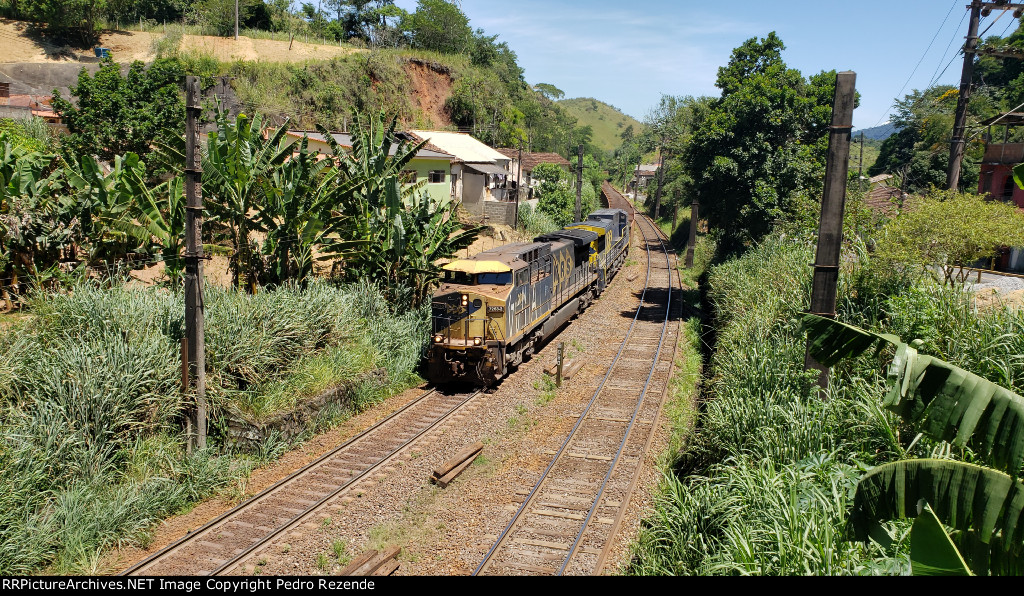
(20, 44)
(876, 133)
(607, 122)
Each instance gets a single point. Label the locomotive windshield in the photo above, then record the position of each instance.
(497, 279)
(468, 279)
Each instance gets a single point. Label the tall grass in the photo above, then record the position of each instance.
(91, 448)
(764, 486)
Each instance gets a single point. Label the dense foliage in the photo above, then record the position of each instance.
(762, 145)
(765, 486)
(114, 115)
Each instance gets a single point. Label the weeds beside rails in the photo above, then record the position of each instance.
(763, 488)
(91, 446)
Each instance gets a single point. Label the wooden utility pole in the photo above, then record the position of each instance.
(691, 241)
(830, 232)
(194, 257)
(956, 144)
(579, 184)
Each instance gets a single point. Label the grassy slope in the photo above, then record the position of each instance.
(607, 121)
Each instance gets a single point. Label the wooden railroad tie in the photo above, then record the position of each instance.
(373, 562)
(569, 368)
(444, 475)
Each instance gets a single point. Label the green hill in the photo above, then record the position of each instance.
(607, 122)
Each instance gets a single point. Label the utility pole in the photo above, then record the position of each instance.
(956, 144)
(579, 184)
(860, 166)
(194, 257)
(661, 180)
(691, 241)
(236, 20)
(519, 184)
(636, 181)
(830, 232)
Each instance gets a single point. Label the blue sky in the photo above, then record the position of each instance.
(629, 53)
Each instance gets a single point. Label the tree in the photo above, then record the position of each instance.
(918, 152)
(555, 195)
(239, 163)
(74, 20)
(387, 232)
(439, 26)
(761, 144)
(549, 91)
(949, 230)
(114, 115)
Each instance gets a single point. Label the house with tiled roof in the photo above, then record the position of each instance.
(481, 177)
(26, 106)
(430, 164)
(531, 161)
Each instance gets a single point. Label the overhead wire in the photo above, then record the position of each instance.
(923, 56)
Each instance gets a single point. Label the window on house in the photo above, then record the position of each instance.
(436, 176)
(408, 176)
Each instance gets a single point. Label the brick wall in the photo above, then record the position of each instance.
(500, 213)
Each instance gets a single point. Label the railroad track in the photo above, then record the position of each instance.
(242, 533)
(569, 519)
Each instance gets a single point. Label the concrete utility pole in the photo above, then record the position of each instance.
(956, 144)
(236, 20)
(194, 257)
(860, 166)
(830, 232)
(579, 184)
(661, 180)
(691, 241)
(519, 184)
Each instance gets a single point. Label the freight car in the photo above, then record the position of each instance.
(494, 309)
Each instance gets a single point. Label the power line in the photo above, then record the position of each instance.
(934, 37)
(936, 75)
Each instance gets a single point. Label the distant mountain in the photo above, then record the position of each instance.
(607, 121)
(876, 133)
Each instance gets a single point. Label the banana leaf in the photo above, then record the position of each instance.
(946, 402)
(972, 499)
(931, 550)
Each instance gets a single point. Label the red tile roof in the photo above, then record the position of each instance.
(532, 160)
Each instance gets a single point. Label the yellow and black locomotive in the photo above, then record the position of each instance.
(492, 310)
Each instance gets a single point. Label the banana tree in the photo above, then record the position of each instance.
(38, 223)
(158, 216)
(240, 162)
(984, 505)
(105, 202)
(382, 229)
(297, 207)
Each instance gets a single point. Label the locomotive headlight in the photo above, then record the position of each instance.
(465, 300)
(477, 341)
(438, 338)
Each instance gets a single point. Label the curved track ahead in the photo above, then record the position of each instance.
(569, 519)
(228, 541)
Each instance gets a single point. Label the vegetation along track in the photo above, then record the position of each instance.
(228, 541)
(568, 520)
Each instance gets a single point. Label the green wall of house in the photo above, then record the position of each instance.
(438, 191)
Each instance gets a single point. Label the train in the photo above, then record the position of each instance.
(493, 310)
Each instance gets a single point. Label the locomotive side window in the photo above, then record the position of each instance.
(497, 279)
(523, 277)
